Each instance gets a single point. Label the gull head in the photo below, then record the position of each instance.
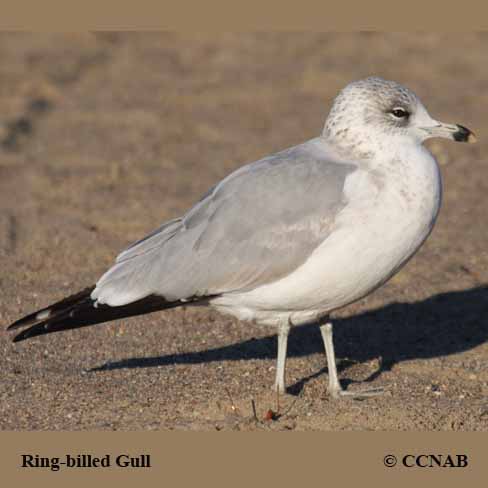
(374, 112)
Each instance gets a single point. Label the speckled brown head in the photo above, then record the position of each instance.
(372, 108)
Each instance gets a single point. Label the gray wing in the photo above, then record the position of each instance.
(256, 226)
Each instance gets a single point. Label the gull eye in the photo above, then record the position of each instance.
(399, 113)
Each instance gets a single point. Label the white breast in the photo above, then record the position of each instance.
(391, 210)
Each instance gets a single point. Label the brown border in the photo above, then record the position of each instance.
(249, 459)
(221, 15)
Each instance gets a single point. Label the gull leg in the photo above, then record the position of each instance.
(283, 331)
(335, 389)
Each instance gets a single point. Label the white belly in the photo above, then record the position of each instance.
(390, 213)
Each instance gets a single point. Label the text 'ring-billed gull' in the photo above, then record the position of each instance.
(287, 239)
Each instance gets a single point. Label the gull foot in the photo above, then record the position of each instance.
(339, 393)
(279, 388)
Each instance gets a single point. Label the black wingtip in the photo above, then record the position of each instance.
(45, 313)
(21, 337)
(33, 331)
(79, 311)
(26, 321)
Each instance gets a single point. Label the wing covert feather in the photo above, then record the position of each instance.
(256, 226)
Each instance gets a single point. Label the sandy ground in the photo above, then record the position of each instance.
(103, 137)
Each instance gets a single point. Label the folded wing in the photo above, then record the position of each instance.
(256, 226)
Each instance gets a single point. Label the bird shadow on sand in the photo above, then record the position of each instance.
(443, 324)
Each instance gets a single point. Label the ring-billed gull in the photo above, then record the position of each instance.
(287, 239)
